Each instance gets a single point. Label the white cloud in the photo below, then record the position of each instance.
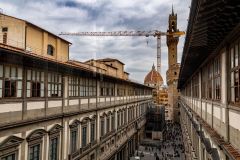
(106, 15)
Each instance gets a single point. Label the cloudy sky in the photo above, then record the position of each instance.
(138, 53)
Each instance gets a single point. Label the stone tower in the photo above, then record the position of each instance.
(173, 68)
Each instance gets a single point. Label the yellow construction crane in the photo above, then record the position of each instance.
(155, 33)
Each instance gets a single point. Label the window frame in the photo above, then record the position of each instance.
(34, 145)
(55, 132)
(83, 87)
(217, 78)
(74, 128)
(6, 155)
(50, 146)
(108, 123)
(10, 146)
(118, 118)
(195, 86)
(103, 91)
(92, 136)
(35, 79)
(92, 87)
(17, 79)
(210, 82)
(54, 85)
(203, 83)
(74, 86)
(84, 124)
(34, 139)
(113, 121)
(84, 139)
(234, 70)
(102, 125)
(50, 50)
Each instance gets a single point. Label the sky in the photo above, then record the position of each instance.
(137, 53)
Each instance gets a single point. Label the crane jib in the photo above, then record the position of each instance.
(154, 33)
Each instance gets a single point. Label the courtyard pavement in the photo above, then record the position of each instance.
(170, 149)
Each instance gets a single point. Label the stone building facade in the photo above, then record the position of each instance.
(52, 108)
(173, 68)
(209, 81)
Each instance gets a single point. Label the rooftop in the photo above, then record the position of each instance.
(210, 24)
(153, 77)
(29, 23)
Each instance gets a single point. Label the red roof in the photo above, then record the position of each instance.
(153, 77)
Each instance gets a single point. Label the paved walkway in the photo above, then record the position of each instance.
(170, 149)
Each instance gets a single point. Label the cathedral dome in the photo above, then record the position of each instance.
(153, 78)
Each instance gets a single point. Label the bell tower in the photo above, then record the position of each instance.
(173, 68)
(171, 40)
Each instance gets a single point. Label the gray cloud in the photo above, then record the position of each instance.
(138, 53)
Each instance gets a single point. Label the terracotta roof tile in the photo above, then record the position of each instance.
(153, 77)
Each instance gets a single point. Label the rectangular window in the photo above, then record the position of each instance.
(125, 116)
(103, 91)
(84, 136)
(217, 79)
(113, 121)
(121, 90)
(83, 87)
(195, 86)
(34, 152)
(118, 119)
(92, 85)
(36, 89)
(122, 118)
(50, 49)
(4, 29)
(111, 89)
(35, 83)
(204, 83)
(53, 150)
(10, 88)
(73, 141)
(54, 85)
(92, 135)
(107, 89)
(132, 113)
(102, 127)
(108, 125)
(210, 81)
(11, 81)
(92, 157)
(4, 38)
(235, 85)
(74, 86)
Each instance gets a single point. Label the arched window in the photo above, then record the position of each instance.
(54, 137)
(35, 142)
(50, 50)
(74, 135)
(9, 147)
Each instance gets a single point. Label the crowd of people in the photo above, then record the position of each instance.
(172, 145)
(171, 148)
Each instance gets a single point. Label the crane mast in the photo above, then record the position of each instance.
(159, 54)
(154, 33)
